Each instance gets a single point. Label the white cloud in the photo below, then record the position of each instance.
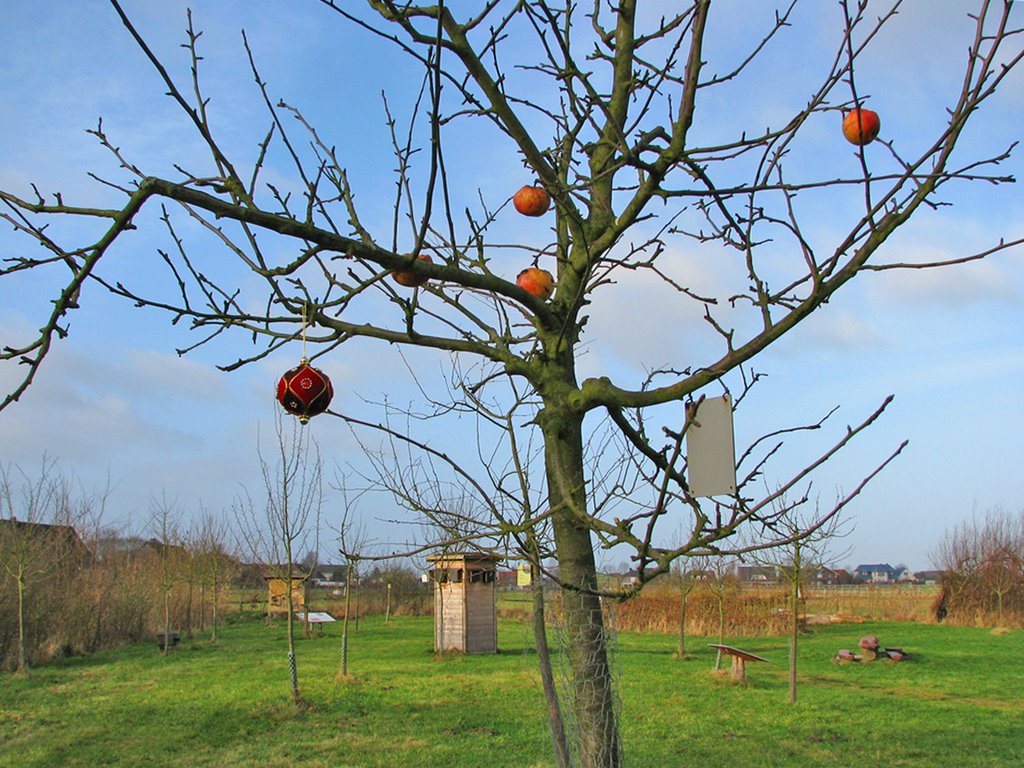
(955, 286)
(836, 330)
(644, 323)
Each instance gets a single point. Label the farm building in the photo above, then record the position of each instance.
(45, 542)
(465, 602)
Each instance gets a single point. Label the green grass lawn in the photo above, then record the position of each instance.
(958, 702)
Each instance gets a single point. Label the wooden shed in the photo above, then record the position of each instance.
(465, 602)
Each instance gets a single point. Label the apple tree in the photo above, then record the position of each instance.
(633, 119)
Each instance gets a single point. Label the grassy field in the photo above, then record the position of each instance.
(958, 702)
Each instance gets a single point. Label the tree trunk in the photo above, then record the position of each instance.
(22, 653)
(794, 627)
(188, 611)
(721, 624)
(167, 620)
(216, 610)
(794, 630)
(356, 575)
(293, 670)
(540, 640)
(202, 606)
(344, 626)
(597, 730)
(683, 594)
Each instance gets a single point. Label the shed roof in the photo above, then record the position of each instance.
(480, 557)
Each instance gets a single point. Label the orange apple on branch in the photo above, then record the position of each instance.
(532, 201)
(861, 126)
(537, 282)
(412, 279)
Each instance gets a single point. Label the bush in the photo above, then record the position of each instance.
(982, 561)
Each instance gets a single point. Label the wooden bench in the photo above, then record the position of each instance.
(739, 660)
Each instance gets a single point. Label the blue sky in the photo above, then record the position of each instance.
(114, 399)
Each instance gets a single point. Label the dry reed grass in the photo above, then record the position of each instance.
(758, 610)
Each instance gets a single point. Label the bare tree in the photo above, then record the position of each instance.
(811, 540)
(353, 539)
(38, 537)
(721, 579)
(215, 563)
(167, 545)
(286, 519)
(982, 564)
(191, 550)
(1002, 557)
(957, 556)
(602, 104)
(688, 571)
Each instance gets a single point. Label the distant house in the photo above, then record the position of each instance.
(62, 542)
(248, 576)
(108, 545)
(903, 575)
(328, 576)
(843, 576)
(508, 579)
(162, 549)
(875, 573)
(928, 577)
(824, 576)
(757, 574)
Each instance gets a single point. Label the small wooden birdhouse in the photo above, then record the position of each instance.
(277, 594)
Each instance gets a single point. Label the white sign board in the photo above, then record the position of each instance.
(315, 617)
(710, 448)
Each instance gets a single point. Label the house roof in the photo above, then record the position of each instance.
(62, 538)
(875, 567)
(67, 532)
(753, 572)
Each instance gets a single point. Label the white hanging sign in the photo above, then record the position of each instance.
(710, 447)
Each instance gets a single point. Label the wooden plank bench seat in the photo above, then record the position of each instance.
(739, 660)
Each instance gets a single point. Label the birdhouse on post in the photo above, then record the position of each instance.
(277, 593)
(465, 602)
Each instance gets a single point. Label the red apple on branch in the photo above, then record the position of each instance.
(861, 126)
(412, 279)
(532, 201)
(537, 282)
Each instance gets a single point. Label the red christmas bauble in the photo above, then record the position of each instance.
(305, 391)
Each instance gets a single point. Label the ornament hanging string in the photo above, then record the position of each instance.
(304, 307)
